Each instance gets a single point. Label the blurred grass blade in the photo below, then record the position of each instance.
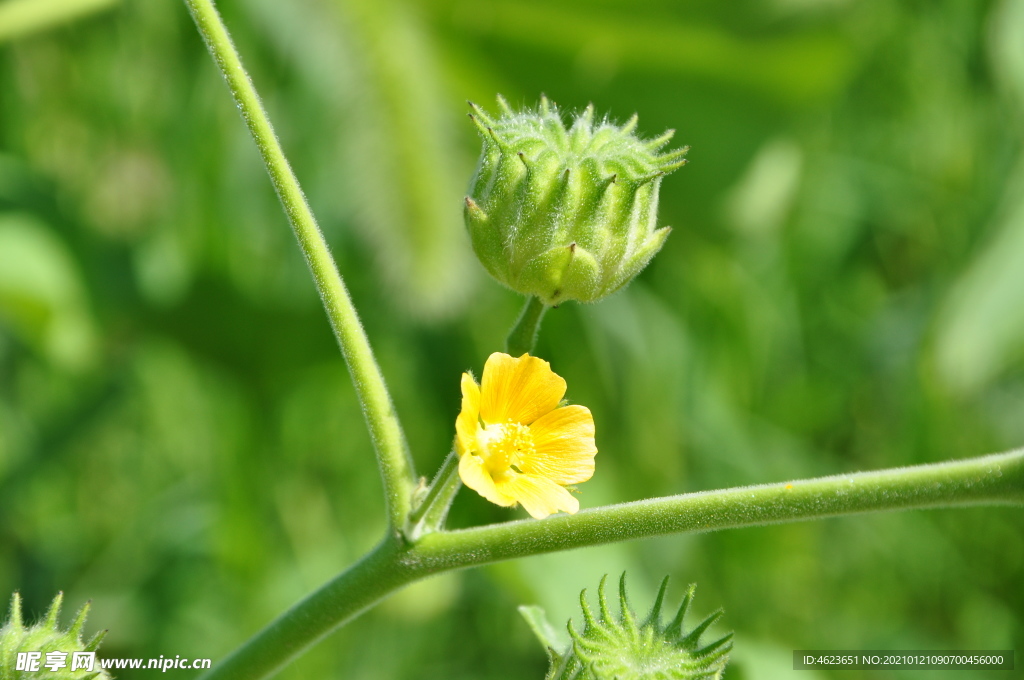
(798, 67)
(405, 175)
(22, 17)
(397, 174)
(981, 330)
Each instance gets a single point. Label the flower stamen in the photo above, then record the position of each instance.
(504, 447)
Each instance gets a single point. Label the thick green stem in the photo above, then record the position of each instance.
(378, 574)
(989, 480)
(392, 452)
(523, 336)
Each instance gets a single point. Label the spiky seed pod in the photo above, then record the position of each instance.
(624, 648)
(46, 636)
(565, 213)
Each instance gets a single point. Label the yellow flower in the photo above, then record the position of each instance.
(515, 444)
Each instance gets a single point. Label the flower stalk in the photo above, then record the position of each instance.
(522, 339)
(393, 457)
(430, 514)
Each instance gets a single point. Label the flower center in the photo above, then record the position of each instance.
(504, 446)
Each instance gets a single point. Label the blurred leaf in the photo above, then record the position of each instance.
(549, 636)
(981, 328)
(162, 267)
(761, 199)
(23, 17)
(399, 168)
(796, 68)
(406, 174)
(1006, 45)
(424, 600)
(764, 659)
(41, 294)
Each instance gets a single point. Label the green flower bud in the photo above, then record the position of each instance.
(47, 637)
(565, 213)
(625, 649)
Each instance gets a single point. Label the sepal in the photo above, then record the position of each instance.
(625, 648)
(565, 212)
(46, 636)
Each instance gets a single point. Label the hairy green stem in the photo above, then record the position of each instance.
(22, 17)
(389, 442)
(989, 480)
(379, 573)
(523, 336)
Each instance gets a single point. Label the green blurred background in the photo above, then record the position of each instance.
(843, 290)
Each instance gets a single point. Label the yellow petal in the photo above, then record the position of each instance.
(564, 446)
(520, 390)
(540, 497)
(474, 475)
(467, 423)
